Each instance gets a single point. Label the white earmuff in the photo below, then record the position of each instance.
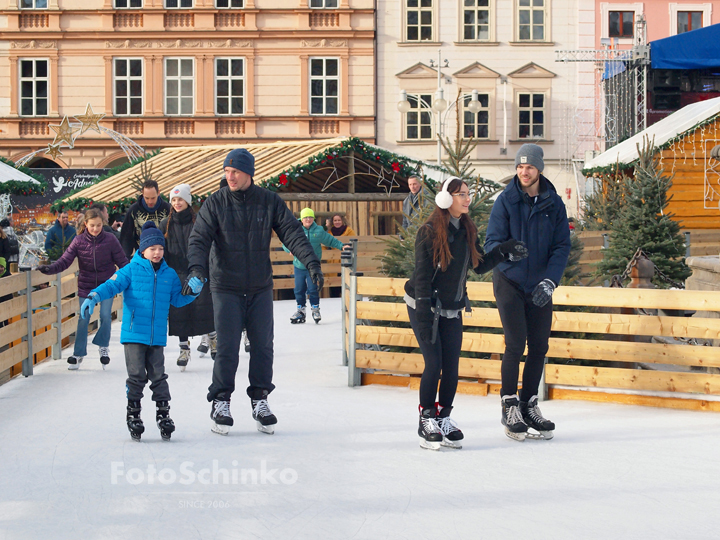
(444, 199)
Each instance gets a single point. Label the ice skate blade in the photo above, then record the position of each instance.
(165, 436)
(429, 445)
(182, 368)
(103, 366)
(135, 437)
(452, 444)
(202, 349)
(266, 429)
(220, 429)
(540, 435)
(520, 437)
(297, 322)
(73, 367)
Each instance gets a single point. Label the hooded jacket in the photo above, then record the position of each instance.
(317, 237)
(542, 225)
(136, 217)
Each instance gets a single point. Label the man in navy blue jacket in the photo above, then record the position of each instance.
(530, 210)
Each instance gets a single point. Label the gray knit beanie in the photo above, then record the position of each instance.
(530, 154)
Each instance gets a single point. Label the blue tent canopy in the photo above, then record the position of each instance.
(698, 49)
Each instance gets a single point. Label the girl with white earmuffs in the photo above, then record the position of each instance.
(446, 247)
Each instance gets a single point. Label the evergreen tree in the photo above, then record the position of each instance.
(601, 209)
(643, 223)
(573, 273)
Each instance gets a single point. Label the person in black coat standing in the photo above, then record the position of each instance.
(230, 244)
(446, 247)
(195, 319)
(529, 209)
(149, 207)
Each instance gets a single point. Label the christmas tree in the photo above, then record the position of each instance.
(601, 208)
(643, 223)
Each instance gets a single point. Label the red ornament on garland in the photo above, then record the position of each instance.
(395, 166)
(283, 179)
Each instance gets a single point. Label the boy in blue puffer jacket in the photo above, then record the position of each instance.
(149, 286)
(317, 237)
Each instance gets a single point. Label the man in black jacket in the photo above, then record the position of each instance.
(149, 207)
(230, 243)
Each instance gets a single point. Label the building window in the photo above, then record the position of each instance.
(531, 116)
(173, 4)
(34, 83)
(324, 85)
(128, 84)
(229, 85)
(419, 119)
(531, 20)
(689, 20)
(476, 20)
(179, 86)
(125, 4)
(621, 24)
(323, 4)
(476, 125)
(229, 3)
(419, 18)
(33, 4)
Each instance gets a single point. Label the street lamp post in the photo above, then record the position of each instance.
(439, 106)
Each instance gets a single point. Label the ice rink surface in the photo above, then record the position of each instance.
(344, 462)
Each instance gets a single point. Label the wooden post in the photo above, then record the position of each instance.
(57, 347)
(27, 364)
(351, 173)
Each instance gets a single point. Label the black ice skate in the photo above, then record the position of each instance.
(512, 419)
(204, 346)
(429, 432)
(316, 314)
(74, 362)
(534, 419)
(162, 417)
(104, 356)
(184, 358)
(134, 423)
(221, 416)
(213, 346)
(299, 316)
(262, 414)
(452, 436)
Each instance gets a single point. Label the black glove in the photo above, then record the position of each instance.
(425, 320)
(316, 275)
(44, 268)
(543, 292)
(187, 290)
(513, 250)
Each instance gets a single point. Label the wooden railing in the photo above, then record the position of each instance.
(38, 323)
(684, 375)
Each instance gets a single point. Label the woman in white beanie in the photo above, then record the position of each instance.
(196, 318)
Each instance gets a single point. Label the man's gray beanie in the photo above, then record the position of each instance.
(530, 154)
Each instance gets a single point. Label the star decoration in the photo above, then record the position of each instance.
(53, 150)
(334, 174)
(391, 182)
(89, 120)
(64, 133)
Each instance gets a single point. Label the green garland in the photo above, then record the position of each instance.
(114, 207)
(23, 187)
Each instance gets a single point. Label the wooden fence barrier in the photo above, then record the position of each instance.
(683, 379)
(39, 317)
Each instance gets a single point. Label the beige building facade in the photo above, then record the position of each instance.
(183, 72)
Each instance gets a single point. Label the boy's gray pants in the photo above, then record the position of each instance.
(145, 362)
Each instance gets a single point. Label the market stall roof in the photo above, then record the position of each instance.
(11, 174)
(680, 122)
(287, 167)
(697, 49)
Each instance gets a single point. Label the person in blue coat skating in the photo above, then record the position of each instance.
(149, 287)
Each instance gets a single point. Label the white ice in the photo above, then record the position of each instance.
(347, 461)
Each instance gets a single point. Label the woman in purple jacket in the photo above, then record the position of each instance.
(98, 253)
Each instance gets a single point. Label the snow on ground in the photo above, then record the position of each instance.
(346, 461)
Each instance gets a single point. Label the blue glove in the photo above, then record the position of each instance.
(195, 284)
(88, 305)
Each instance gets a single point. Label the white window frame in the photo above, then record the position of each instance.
(230, 6)
(428, 100)
(34, 79)
(432, 9)
(491, 19)
(675, 8)
(607, 7)
(229, 78)
(546, 21)
(179, 6)
(115, 6)
(486, 109)
(336, 4)
(545, 109)
(180, 78)
(128, 78)
(34, 6)
(323, 78)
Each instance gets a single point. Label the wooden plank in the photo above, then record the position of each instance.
(13, 308)
(12, 284)
(13, 356)
(43, 296)
(413, 364)
(635, 399)
(12, 332)
(44, 340)
(44, 317)
(413, 383)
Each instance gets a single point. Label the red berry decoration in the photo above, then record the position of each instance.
(395, 166)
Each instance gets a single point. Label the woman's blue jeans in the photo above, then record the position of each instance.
(102, 336)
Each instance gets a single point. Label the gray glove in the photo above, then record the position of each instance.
(542, 293)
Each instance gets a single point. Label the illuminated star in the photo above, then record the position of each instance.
(53, 150)
(64, 133)
(334, 174)
(89, 120)
(391, 182)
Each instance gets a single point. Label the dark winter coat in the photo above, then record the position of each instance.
(97, 256)
(147, 296)
(137, 216)
(543, 226)
(238, 227)
(411, 205)
(450, 284)
(58, 236)
(197, 318)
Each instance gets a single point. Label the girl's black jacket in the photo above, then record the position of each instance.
(450, 284)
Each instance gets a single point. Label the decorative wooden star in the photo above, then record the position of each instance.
(53, 150)
(387, 183)
(64, 133)
(89, 120)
